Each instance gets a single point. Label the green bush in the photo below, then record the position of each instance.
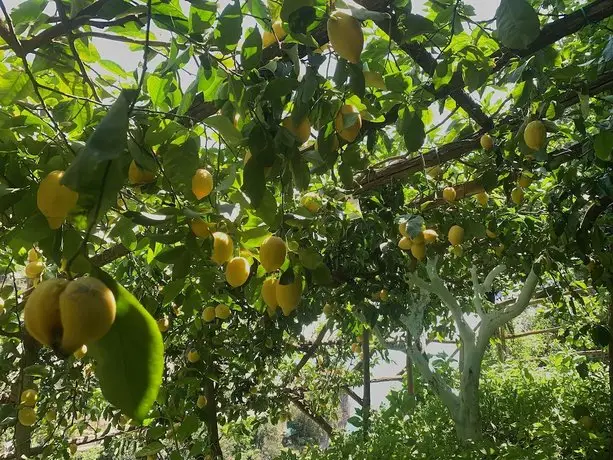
(531, 410)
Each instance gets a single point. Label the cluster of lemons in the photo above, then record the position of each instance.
(416, 245)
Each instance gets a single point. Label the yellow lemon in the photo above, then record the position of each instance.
(202, 183)
(208, 314)
(311, 201)
(200, 228)
(383, 295)
(29, 397)
(449, 194)
(55, 200)
(163, 324)
(237, 271)
(429, 236)
(517, 195)
(487, 142)
(405, 243)
(535, 135)
(457, 251)
(402, 228)
(26, 416)
(418, 250)
(51, 415)
(348, 132)
(201, 402)
(301, 131)
(269, 292)
(34, 269)
(222, 311)
(270, 38)
(288, 295)
(138, 175)
(328, 309)
(223, 247)
(272, 253)
(455, 235)
(193, 356)
(32, 255)
(482, 198)
(490, 234)
(80, 352)
(345, 35)
(524, 181)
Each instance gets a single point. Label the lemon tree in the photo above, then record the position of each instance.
(213, 212)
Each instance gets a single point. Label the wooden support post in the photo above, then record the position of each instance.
(366, 397)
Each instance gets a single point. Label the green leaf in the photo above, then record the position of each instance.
(11, 85)
(228, 30)
(201, 15)
(157, 88)
(603, 145)
(27, 11)
(225, 128)
(254, 182)
(108, 142)
(412, 129)
(517, 24)
(601, 335)
(310, 258)
(130, 357)
(280, 87)
(150, 449)
(322, 275)
(252, 49)
(300, 171)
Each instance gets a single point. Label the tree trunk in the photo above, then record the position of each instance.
(468, 423)
(211, 414)
(366, 398)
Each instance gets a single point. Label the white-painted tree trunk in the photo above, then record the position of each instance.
(463, 403)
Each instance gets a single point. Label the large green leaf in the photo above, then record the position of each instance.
(107, 142)
(251, 49)
(517, 24)
(130, 357)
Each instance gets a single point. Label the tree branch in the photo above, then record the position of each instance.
(492, 275)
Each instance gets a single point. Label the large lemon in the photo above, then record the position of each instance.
(405, 243)
(535, 135)
(29, 397)
(345, 35)
(34, 269)
(26, 416)
(67, 314)
(311, 201)
(517, 195)
(202, 183)
(455, 235)
(272, 253)
(222, 248)
(208, 314)
(55, 200)
(301, 131)
(348, 132)
(270, 38)
(288, 295)
(222, 311)
(487, 142)
(429, 235)
(482, 198)
(418, 251)
(200, 228)
(237, 271)
(138, 175)
(449, 194)
(269, 292)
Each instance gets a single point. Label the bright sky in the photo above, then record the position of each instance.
(129, 60)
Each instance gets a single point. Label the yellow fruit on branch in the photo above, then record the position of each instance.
(26, 416)
(490, 234)
(487, 142)
(208, 314)
(535, 135)
(193, 356)
(272, 253)
(288, 295)
(34, 269)
(55, 200)
(455, 235)
(163, 324)
(67, 314)
(449, 194)
(405, 243)
(201, 402)
(457, 251)
(270, 38)
(223, 247)
(73, 448)
(29, 397)
(524, 180)
(517, 195)
(482, 198)
(348, 122)
(237, 271)
(200, 228)
(311, 201)
(32, 255)
(383, 295)
(300, 131)
(202, 183)
(402, 228)
(138, 175)
(223, 311)
(429, 236)
(80, 352)
(418, 250)
(51, 415)
(269, 292)
(345, 35)
(328, 309)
